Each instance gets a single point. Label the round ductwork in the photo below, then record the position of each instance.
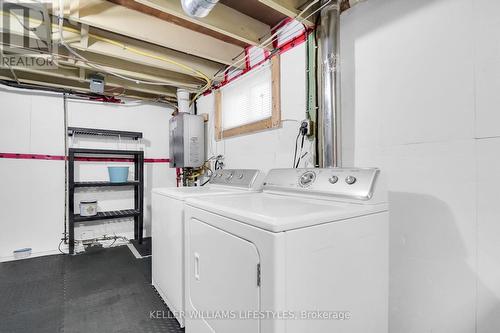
(198, 8)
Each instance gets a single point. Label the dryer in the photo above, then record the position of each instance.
(308, 254)
(168, 231)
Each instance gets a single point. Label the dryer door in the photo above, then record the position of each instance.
(223, 280)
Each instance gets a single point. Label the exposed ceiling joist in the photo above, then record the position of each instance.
(148, 54)
(67, 79)
(119, 19)
(122, 66)
(100, 47)
(289, 8)
(222, 19)
(128, 69)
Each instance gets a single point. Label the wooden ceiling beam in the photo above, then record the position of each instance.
(108, 16)
(222, 20)
(69, 79)
(129, 69)
(207, 67)
(289, 8)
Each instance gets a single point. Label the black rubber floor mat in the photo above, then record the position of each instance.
(144, 249)
(32, 295)
(102, 291)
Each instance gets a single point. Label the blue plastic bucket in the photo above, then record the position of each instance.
(118, 174)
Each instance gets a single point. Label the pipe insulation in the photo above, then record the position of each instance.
(329, 86)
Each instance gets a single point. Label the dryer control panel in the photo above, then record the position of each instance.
(244, 178)
(348, 183)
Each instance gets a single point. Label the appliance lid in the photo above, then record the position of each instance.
(277, 213)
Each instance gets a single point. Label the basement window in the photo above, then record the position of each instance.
(250, 103)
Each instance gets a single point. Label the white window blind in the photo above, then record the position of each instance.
(248, 99)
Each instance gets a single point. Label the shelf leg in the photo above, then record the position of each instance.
(71, 201)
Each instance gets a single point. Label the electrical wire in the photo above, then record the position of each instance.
(301, 148)
(274, 36)
(101, 68)
(209, 177)
(197, 73)
(59, 247)
(125, 47)
(295, 153)
(194, 71)
(139, 52)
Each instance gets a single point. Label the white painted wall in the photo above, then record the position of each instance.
(420, 101)
(271, 148)
(32, 191)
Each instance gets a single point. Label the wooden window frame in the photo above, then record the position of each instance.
(274, 121)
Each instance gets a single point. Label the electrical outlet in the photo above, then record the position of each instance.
(308, 125)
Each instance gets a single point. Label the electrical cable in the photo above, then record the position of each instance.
(274, 36)
(301, 147)
(161, 58)
(302, 131)
(209, 177)
(295, 153)
(126, 47)
(133, 50)
(196, 72)
(59, 247)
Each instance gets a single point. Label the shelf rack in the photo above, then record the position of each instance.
(72, 131)
(138, 184)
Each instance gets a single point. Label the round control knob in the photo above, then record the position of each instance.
(229, 176)
(240, 176)
(333, 179)
(307, 178)
(350, 180)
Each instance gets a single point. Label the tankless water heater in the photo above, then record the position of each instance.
(187, 141)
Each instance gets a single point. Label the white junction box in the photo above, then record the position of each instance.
(187, 141)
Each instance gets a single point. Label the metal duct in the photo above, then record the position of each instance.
(183, 100)
(198, 8)
(329, 86)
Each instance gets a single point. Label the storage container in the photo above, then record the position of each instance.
(118, 174)
(88, 208)
(22, 253)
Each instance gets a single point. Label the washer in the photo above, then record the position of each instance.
(308, 254)
(168, 231)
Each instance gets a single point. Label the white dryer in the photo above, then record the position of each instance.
(168, 231)
(308, 254)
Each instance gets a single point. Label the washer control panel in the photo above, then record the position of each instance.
(355, 183)
(307, 178)
(244, 178)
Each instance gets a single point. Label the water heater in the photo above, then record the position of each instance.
(187, 141)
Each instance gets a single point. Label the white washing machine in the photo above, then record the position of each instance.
(168, 230)
(308, 254)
